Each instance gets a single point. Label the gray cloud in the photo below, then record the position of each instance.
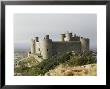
(27, 26)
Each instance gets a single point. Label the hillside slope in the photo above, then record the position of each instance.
(68, 64)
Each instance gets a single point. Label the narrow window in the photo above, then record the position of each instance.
(39, 49)
(47, 49)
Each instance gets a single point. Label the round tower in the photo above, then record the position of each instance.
(62, 37)
(37, 46)
(33, 46)
(68, 36)
(46, 47)
(84, 44)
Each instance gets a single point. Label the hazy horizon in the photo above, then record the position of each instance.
(27, 26)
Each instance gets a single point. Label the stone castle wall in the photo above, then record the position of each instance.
(63, 47)
(48, 48)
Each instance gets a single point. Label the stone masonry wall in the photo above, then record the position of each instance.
(63, 47)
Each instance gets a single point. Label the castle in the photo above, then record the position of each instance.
(47, 48)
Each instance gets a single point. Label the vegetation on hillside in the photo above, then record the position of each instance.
(66, 70)
(70, 59)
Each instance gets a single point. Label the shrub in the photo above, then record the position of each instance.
(81, 59)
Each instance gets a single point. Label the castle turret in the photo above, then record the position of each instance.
(84, 44)
(62, 37)
(46, 47)
(33, 46)
(68, 37)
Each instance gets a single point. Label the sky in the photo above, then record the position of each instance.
(27, 26)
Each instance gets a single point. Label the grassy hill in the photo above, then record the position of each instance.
(71, 62)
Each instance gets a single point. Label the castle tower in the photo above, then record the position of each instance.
(37, 46)
(33, 46)
(84, 44)
(62, 37)
(46, 47)
(68, 37)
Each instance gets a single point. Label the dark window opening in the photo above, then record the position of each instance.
(39, 49)
(47, 49)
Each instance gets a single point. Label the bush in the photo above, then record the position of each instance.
(82, 59)
(21, 69)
